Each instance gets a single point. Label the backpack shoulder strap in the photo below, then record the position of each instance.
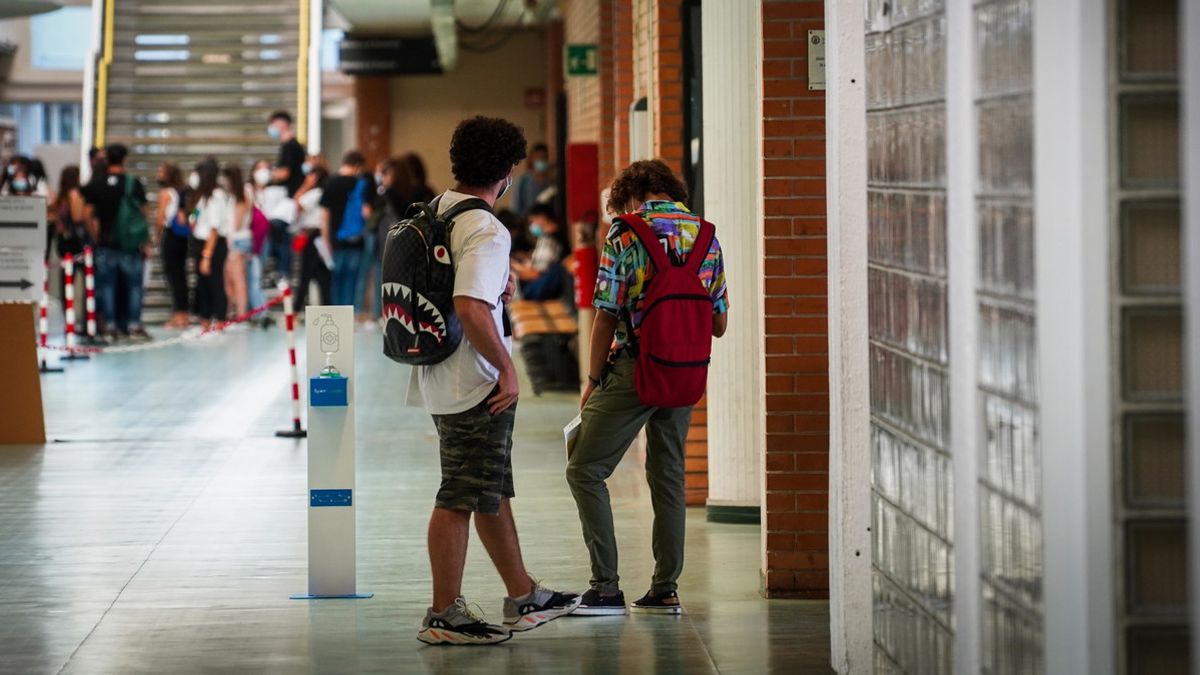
(462, 207)
(701, 247)
(129, 185)
(649, 240)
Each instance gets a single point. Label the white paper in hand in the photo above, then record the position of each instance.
(571, 434)
(323, 250)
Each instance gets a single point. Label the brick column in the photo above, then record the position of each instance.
(796, 344)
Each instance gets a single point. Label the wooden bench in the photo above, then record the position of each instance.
(541, 317)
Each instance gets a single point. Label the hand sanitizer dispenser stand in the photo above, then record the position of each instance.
(329, 338)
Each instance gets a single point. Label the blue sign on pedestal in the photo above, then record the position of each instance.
(328, 392)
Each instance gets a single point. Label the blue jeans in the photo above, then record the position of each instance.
(119, 269)
(279, 246)
(347, 263)
(370, 262)
(254, 292)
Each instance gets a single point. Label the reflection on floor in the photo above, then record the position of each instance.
(164, 529)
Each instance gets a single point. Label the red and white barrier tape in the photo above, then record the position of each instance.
(43, 322)
(89, 286)
(290, 316)
(69, 294)
(158, 344)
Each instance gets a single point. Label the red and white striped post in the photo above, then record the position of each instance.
(43, 321)
(69, 292)
(89, 284)
(289, 312)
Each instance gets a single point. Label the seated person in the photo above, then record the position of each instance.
(541, 278)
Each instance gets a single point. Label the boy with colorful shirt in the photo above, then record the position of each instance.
(612, 414)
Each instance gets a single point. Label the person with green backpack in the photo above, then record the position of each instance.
(116, 221)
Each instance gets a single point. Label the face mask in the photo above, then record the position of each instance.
(262, 176)
(194, 180)
(306, 168)
(507, 184)
(20, 185)
(541, 165)
(273, 132)
(12, 168)
(379, 179)
(537, 231)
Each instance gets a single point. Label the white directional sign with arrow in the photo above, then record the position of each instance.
(22, 245)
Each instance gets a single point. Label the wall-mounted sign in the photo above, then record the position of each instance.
(816, 60)
(582, 60)
(388, 56)
(535, 98)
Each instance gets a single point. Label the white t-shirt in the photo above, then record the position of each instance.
(216, 213)
(310, 217)
(479, 245)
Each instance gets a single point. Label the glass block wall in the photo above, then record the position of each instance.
(1149, 491)
(912, 574)
(1010, 478)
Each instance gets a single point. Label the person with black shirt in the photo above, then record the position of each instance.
(347, 207)
(289, 172)
(310, 221)
(174, 232)
(115, 267)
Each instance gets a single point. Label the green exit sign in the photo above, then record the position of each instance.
(582, 60)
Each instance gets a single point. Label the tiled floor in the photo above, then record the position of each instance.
(164, 527)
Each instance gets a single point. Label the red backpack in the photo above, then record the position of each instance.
(675, 341)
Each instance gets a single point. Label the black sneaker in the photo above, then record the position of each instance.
(460, 625)
(540, 606)
(594, 604)
(658, 603)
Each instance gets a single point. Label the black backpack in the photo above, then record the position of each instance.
(417, 277)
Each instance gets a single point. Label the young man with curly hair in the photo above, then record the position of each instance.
(612, 413)
(472, 396)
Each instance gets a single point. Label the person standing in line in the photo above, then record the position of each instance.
(414, 182)
(260, 198)
(472, 396)
(313, 265)
(238, 238)
(289, 172)
(534, 181)
(210, 210)
(171, 223)
(118, 226)
(612, 410)
(346, 203)
(68, 229)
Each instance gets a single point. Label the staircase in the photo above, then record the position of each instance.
(179, 80)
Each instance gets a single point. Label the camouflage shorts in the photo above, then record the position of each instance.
(476, 459)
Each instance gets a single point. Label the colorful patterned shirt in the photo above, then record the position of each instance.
(621, 285)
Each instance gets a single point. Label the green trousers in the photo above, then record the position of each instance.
(611, 421)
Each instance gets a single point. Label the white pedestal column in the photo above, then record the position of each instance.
(329, 346)
(732, 35)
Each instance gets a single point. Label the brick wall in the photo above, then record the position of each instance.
(797, 452)
(581, 25)
(622, 84)
(605, 16)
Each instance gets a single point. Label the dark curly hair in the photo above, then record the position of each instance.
(642, 178)
(484, 150)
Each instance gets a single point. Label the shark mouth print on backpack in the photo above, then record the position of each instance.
(400, 305)
(417, 285)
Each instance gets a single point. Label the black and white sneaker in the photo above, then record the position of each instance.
(540, 606)
(460, 625)
(658, 603)
(594, 604)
